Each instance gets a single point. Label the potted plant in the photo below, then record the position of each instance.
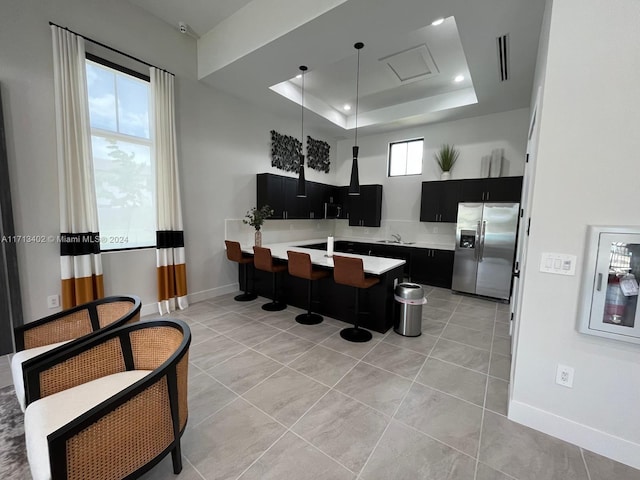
(256, 217)
(446, 158)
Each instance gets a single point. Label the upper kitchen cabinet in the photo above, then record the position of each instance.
(439, 201)
(280, 194)
(317, 195)
(365, 210)
(500, 189)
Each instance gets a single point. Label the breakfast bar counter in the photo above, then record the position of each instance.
(330, 299)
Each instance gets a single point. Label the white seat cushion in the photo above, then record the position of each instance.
(16, 367)
(48, 414)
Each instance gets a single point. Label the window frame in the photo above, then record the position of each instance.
(407, 141)
(123, 136)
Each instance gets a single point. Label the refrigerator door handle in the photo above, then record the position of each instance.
(477, 242)
(482, 234)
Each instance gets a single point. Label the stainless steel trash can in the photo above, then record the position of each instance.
(409, 300)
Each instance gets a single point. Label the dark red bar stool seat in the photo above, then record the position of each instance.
(263, 260)
(350, 271)
(300, 266)
(234, 253)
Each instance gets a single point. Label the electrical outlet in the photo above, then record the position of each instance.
(564, 376)
(53, 301)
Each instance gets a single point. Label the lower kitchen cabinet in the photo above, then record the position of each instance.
(432, 267)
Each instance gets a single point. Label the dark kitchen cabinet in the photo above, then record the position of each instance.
(317, 195)
(365, 210)
(501, 189)
(399, 252)
(280, 194)
(439, 201)
(432, 267)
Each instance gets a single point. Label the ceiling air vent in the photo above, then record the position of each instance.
(503, 56)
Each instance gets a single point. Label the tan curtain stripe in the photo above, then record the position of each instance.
(76, 291)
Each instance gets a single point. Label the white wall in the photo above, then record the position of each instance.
(587, 173)
(473, 137)
(223, 143)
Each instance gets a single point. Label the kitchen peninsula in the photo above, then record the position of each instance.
(333, 300)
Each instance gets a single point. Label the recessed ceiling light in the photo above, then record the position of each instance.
(437, 22)
(299, 75)
(458, 78)
(347, 107)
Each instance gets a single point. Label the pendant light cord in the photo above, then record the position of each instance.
(357, 93)
(302, 122)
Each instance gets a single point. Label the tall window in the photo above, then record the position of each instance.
(405, 158)
(122, 157)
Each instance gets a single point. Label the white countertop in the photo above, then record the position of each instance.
(372, 265)
(435, 246)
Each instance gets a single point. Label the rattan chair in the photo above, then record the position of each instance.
(42, 336)
(110, 406)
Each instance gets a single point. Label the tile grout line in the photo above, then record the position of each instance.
(484, 404)
(330, 388)
(289, 429)
(584, 460)
(404, 397)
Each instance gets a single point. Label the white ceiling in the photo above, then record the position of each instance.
(464, 44)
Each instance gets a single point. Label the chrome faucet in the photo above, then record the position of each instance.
(397, 237)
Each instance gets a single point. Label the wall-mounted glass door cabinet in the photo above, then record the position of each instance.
(610, 284)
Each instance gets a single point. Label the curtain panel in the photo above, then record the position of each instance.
(170, 254)
(80, 260)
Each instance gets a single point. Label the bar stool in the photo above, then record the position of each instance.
(300, 266)
(263, 260)
(350, 271)
(234, 253)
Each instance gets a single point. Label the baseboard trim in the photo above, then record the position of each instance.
(589, 438)
(213, 292)
(152, 308)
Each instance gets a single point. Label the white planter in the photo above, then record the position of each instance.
(445, 175)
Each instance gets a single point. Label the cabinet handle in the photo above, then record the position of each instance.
(488, 195)
(599, 284)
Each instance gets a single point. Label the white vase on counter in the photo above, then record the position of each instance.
(445, 175)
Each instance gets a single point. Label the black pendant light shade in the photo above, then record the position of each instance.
(354, 184)
(301, 189)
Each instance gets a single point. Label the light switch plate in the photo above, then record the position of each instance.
(558, 263)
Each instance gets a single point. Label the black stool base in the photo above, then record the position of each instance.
(245, 297)
(309, 318)
(357, 335)
(274, 306)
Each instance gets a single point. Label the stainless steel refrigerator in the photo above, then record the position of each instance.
(485, 248)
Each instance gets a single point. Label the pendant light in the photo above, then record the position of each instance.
(354, 184)
(301, 190)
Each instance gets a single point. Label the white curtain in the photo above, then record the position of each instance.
(170, 256)
(80, 261)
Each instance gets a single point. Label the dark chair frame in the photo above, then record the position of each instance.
(58, 439)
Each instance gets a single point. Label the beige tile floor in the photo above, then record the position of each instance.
(272, 399)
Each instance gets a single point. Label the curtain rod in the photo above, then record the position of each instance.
(120, 52)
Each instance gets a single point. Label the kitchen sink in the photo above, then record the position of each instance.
(396, 242)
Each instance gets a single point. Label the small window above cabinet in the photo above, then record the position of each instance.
(609, 304)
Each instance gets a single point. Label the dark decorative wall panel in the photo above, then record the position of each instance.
(285, 152)
(318, 155)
